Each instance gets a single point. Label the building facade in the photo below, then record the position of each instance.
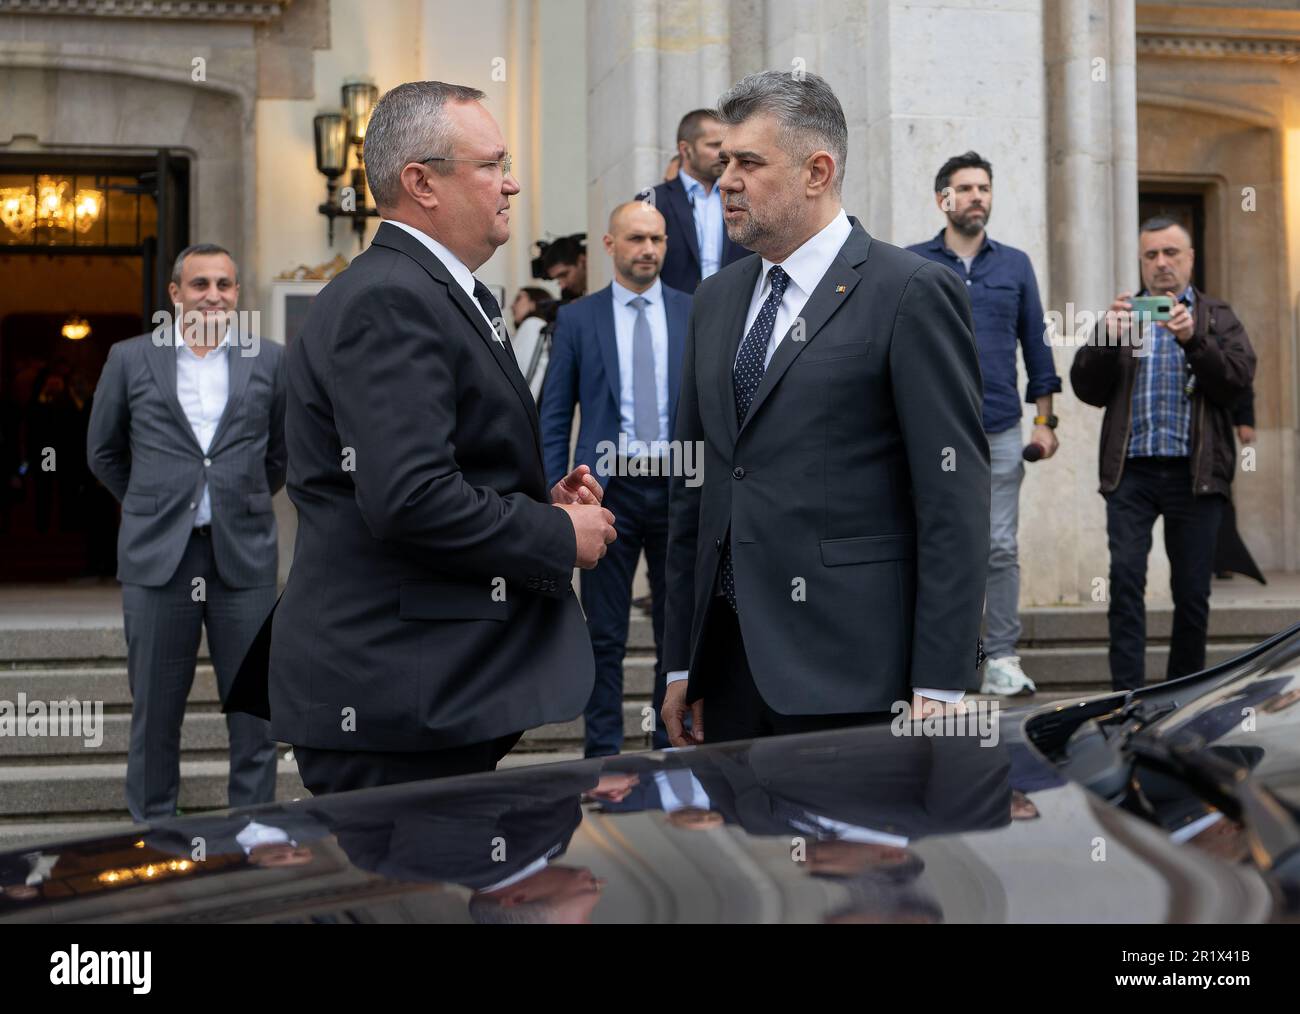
(1091, 112)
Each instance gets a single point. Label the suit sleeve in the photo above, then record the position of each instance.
(277, 458)
(108, 436)
(1224, 371)
(559, 395)
(938, 392)
(392, 351)
(683, 519)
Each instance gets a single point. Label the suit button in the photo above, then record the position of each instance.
(738, 472)
(717, 544)
(207, 462)
(193, 505)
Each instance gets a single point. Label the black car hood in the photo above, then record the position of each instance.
(858, 825)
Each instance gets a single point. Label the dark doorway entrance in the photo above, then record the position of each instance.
(86, 245)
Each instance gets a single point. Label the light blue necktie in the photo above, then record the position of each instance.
(645, 390)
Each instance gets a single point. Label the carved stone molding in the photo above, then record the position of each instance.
(1218, 47)
(169, 10)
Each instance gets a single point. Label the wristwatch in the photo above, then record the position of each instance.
(1049, 421)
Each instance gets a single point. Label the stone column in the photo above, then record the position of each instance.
(649, 62)
(1092, 185)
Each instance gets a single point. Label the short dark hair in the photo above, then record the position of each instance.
(966, 160)
(692, 124)
(565, 250)
(200, 249)
(1159, 223)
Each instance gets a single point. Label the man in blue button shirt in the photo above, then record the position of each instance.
(1007, 313)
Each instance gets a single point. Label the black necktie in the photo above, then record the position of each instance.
(746, 375)
(492, 308)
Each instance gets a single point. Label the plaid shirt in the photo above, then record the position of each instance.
(1162, 409)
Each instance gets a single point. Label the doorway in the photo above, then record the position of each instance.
(86, 245)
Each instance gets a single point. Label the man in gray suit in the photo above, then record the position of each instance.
(187, 431)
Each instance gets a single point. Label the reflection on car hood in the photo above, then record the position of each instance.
(856, 825)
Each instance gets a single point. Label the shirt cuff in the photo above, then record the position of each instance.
(677, 674)
(946, 696)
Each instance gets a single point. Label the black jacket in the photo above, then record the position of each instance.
(681, 268)
(1223, 363)
(430, 601)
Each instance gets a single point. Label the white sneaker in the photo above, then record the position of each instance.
(1005, 677)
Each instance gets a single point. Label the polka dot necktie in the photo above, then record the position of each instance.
(746, 375)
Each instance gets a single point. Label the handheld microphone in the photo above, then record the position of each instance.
(1032, 452)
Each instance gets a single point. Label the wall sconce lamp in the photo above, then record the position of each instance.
(337, 132)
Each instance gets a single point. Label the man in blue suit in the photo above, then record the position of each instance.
(618, 354)
(691, 204)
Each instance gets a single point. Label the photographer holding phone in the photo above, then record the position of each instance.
(1169, 374)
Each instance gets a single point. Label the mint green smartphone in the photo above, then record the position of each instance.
(1156, 307)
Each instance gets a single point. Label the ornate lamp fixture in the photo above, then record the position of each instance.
(337, 132)
(48, 206)
(76, 328)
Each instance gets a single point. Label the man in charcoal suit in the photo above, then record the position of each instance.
(429, 617)
(833, 560)
(691, 203)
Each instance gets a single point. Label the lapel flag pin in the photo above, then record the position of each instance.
(840, 288)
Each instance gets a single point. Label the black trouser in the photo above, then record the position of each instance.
(640, 508)
(328, 771)
(733, 706)
(1149, 488)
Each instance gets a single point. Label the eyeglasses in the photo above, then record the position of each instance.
(505, 164)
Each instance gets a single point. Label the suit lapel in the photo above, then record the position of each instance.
(831, 293)
(731, 251)
(731, 317)
(607, 340)
(396, 239)
(676, 316)
(240, 369)
(680, 204)
(162, 363)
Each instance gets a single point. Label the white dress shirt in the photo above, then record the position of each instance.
(805, 268)
(670, 801)
(536, 866)
(256, 834)
(202, 387)
(706, 207)
(624, 327)
(454, 265)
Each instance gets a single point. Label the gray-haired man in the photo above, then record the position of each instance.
(832, 563)
(187, 431)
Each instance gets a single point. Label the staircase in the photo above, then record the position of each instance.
(67, 644)
(53, 787)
